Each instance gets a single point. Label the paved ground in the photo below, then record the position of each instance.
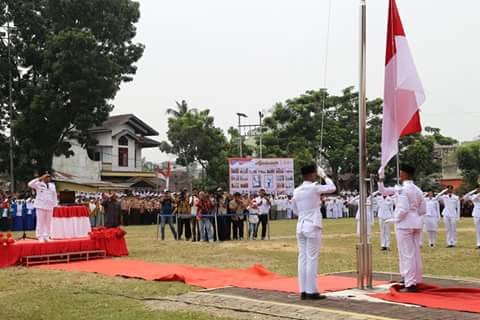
(346, 305)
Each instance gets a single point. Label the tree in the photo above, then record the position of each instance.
(193, 137)
(182, 108)
(468, 155)
(294, 130)
(71, 57)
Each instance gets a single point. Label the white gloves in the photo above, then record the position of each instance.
(321, 173)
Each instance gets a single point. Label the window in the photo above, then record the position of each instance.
(123, 141)
(123, 157)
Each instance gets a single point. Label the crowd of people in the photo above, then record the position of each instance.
(195, 216)
(199, 215)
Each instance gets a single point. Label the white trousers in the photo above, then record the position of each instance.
(408, 242)
(451, 226)
(477, 228)
(384, 233)
(432, 238)
(44, 223)
(309, 241)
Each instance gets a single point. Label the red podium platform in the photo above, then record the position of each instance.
(110, 240)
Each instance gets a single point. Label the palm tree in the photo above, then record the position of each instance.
(182, 109)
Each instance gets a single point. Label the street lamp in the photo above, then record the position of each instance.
(261, 115)
(240, 116)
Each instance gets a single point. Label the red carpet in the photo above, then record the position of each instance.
(12, 254)
(459, 299)
(256, 277)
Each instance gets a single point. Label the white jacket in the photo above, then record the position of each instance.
(46, 196)
(410, 205)
(306, 202)
(385, 207)
(452, 206)
(476, 204)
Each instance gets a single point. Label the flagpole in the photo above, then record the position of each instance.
(363, 251)
(398, 162)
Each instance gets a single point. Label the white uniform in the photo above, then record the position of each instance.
(451, 215)
(338, 208)
(385, 213)
(45, 201)
(329, 208)
(431, 218)
(409, 209)
(476, 213)
(306, 205)
(370, 218)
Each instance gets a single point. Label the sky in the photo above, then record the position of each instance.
(244, 56)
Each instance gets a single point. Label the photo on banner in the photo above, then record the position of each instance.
(249, 175)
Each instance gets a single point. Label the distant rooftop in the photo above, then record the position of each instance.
(130, 119)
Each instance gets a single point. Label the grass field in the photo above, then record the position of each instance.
(37, 294)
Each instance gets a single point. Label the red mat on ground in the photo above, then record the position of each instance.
(12, 254)
(256, 277)
(458, 299)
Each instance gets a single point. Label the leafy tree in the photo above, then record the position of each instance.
(182, 108)
(294, 130)
(71, 57)
(193, 137)
(468, 155)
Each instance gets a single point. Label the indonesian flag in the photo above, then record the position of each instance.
(403, 93)
(165, 175)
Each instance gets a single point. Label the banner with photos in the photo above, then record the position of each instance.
(249, 175)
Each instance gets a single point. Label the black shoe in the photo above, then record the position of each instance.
(384, 249)
(478, 247)
(411, 289)
(303, 296)
(315, 296)
(450, 246)
(432, 245)
(401, 281)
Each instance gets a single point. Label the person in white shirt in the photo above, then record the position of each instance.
(193, 201)
(306, 205)
(474, 196)
(338, 208)
(289, 207)
(451, 214)
(370, 219)
(409, 209)
(330, 206)
(385, 213)
(45, 201)
(431, 218)
(264, 204)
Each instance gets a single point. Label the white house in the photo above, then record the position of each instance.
(117, 156)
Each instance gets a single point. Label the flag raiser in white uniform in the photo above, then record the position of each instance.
(409, 209)
(306, 204)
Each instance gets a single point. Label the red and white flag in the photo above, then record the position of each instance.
(403, 93)
(164, 175)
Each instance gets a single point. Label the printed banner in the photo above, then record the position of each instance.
(249, 175)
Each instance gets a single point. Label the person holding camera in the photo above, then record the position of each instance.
(166, 214)
(45, 201)
(183, 212)
(236, 206)
(264, 205)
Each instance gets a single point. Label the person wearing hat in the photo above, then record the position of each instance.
(410, 207)
(45, 201)
(450, 213)
(474, 196)
(306, 205)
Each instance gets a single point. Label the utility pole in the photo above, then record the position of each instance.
(240, 138)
